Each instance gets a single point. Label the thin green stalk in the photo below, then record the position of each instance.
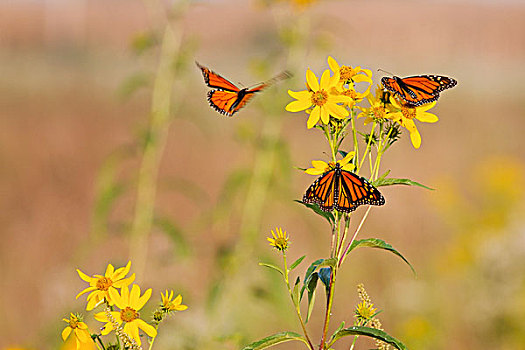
(297, 306)
(343, 257)
(367, 149)
(153, 340)
(354, 134)
(154, 148)
(328, 312)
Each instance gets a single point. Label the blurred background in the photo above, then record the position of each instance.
(78, 141)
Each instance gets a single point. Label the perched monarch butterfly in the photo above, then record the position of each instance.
(419, 89)
(227, 98)
(342, 190)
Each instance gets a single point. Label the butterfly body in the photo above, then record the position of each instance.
(418, 89)
(342, 190)
(226, 98)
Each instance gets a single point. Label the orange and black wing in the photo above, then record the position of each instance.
(323, 191)
(420, 89)
(215, 81)
(353, 191)
(223, 101)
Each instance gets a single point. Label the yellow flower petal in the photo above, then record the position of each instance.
(297, 106)
(117, 298)
(415, 137)
(300, 95)
(143, 299)
(124, 282)
(66, 332)
(338, 111)
(132, 329)
(109, 271)
(325, 116)
(147, 328)
(334, 66)
(347, 158)
(349, 167)
(82, 335)
(121, 272)
(312, 80)
(88, 289)
(315, 115)
(101, 316)
(325, 80)
(427, 106)
(84, 276)
(426, 117)
(134, 297)
(359, 78)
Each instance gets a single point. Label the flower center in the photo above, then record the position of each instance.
(379, 112)
(346, 73)
(103, 283)
(350, 93)
(319, 98)
(73, 323)
(281, 243)
(409, 113)
(128, 314)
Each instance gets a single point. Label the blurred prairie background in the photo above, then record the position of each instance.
(76, 81)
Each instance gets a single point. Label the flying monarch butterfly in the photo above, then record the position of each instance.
(226, 98)
(342, 190)
(419, 89)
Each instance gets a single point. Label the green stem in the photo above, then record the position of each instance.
(329, 304)
(367, 149)
(354, 134)
(296, 305)
(343, 257)
(100, 341)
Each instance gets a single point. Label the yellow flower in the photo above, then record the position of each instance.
(100, 286)
(170, 304)
(280, 241)
(365, 310)
(324, 97)
(129, 304)
(377, 110)
(321, 167)
(79, 330)
(349, 75)
(405, 115)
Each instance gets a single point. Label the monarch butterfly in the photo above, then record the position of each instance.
(342, 190)
(227, 98)
(419, 89)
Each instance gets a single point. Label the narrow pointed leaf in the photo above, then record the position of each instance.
(324, 276)
(311, 287)
(295, 292)
(327, 215)
(297, 262)
(380, 244)
(272, 267)
(392, 181)
(274, 340)
(329, 262)
(368, 332)
(341, 326)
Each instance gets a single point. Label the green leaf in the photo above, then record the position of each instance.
(329, 262)
(391, 181)
(324, 275)
(325, 214)
(378, 243)
(297, 262)
(368, 332)
(274, 340)
(272, 267)
(382, 177)
(341, 326)
(311, 269)
(311, 287)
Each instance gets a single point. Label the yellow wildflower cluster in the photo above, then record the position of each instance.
(121, 312)
(334, 98)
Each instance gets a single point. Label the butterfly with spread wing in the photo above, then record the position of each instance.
(226, 98)
(419, 89)
(342, 190)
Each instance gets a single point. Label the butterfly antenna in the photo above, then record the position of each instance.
(384, 71)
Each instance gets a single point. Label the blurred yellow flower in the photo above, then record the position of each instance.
(170, 304)
(280, 240)
(405, 115)
(320, 167)
(79, 329)
(323, 97)
(100, 286)
(129, 304)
